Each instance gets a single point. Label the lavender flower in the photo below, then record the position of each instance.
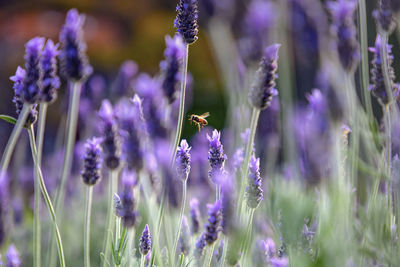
(377, 87)
(32, 82)
(145, 241)
(91, 172)
(184, 238)
(4, 204)
(227, 203)
(345, 31)
(12, 256)
(128, 213)
(183, 160)
(50, 81)
(200, 245)
(123, 82)
(118, 209)
(186, 20)
(111, 142)
(18, 87)
(195, 215)
(254, 192)
(216, 156)
(171, 66)
(395, 6)
(74, 62)
(262, 90)
(384, 16)
(212, 224)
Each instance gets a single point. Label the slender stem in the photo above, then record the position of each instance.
(184, 187)
(388, 140)
(245, 244)
(5, 160)
(142, 260)
(224, 251)
(210, 255)
(88, 211)
(217, 192)
(181, 104)
(249, 148)
(112, 188)
(46, 196)
(363, 33)
(385, 67)
(159, 220)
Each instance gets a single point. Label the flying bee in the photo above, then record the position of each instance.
(200, 121)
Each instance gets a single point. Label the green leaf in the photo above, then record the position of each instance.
(9, 119)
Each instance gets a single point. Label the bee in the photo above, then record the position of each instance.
(200, 121)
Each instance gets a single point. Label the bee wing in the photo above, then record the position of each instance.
(205, 115)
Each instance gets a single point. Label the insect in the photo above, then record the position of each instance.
(200, 121)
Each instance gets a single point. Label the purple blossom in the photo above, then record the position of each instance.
(186, 20)
(211, 227)
(384, 16)
(4, 204)
(183, 160)
(227, 203)
(18, 87)
(216, 156)
(32, 82)
(171, 66)
(91, 172)
(184, 238)
(343, 27)
(74, 62)
(123, 82)
(118, 209)
(377, 87)
(195, 215)
(145, 241)
(237, 159)
(50, 81)
(263, 88)
(254, 192)
(12, 256)
(279, 262)
(200, 245)
(111, 140)
(128, 212)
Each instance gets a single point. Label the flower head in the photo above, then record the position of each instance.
(50, 81)
(172, 65)
(184, 238)
(91, 172)
(18, 87)
(254, 192)
(117, 205)
(200, 245)
(12, 256)
(183, 160)
(74, 62)
(227, 203)
(377, 87)
(111, 139)
(186, 20)
(216, 155)
(128, 212)
(212, 224)
(344, 29)
(32, 82)
(195, 215)
(145, 241)
(384, 15)
(123, 82)
(263, 88)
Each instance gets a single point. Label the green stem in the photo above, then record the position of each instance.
(245, 244)
(46, 196)
(224, 251)
(88, 211)
(142, 260)
(210, 255)
(157, 233)
(249, 148)
(363, 33)
(12, 141)
(181, 104)
(112, 188)
(184, 189)
(388, 140)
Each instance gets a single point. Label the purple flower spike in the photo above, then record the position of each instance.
(128, 213)
(216, 156)
(117, 205)
(212, 224)
(263, 89)
(200, 245)
(50, 82)
(183, 160)
(111, 141)
(195, 215)
(123, 82)
(74, 62)
(18, 87)
(344, 29)
(184, 238)
(227, 203)
(254, 192)
(145, 241)
(186, 20)
(91, 172)
(171, 66)
(12, 256)
(377, 87)
(384, 16)
(31, 89)
(279, 262)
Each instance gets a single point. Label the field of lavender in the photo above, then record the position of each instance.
(284, 182)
